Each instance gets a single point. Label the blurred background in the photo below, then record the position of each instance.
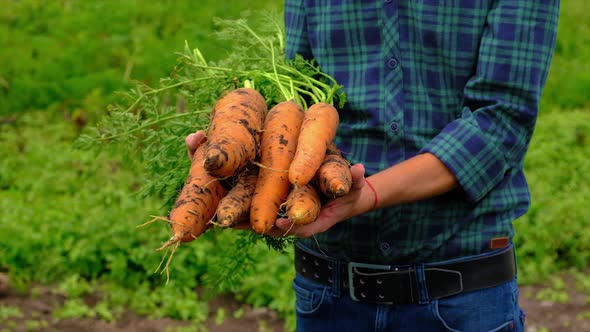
(71, 257)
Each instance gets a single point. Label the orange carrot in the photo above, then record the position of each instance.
(303, 205)
(234, 132)
(196, 204)
(277, 148)
(334, 178)
(318, 130)
(234, 208)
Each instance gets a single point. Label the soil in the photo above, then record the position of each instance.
(546, 316)
(542, 316)
(37, 316)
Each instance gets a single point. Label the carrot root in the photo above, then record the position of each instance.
(234, 132)
(277, 147)
(303, 205)
(317, 132)
(334, 177)
(234, 208)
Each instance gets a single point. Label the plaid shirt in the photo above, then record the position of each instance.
(461, 79)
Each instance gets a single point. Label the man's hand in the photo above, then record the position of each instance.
(340, 209)
(193, 141)
(358, 201)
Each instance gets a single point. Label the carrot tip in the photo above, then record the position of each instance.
(166, 268)
(173, 240)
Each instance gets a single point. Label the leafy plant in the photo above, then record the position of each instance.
(569, 78)
(7, 312)
(555, 292)
(56, 53)
(553, 235)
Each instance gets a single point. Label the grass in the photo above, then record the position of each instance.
(70, 219)
(569, 77)
(56, 53)
(553, 234)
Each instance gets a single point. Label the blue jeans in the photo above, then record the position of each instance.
(329, 308)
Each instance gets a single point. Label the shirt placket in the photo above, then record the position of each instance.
(393, 106)
(393, 85)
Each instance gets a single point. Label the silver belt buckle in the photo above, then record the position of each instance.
(351, 272)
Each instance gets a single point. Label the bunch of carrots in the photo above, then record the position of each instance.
(270, 149)
(258, 165)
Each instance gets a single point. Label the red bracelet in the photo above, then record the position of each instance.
(376, 201)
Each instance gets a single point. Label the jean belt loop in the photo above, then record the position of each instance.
(337, 278)
(421, 284)
(515, 260)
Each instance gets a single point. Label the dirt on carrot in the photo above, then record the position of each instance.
(196, 204)
(333, 177)
(234, 208)
(234, 133)
(303, 205)
(277, 148)
(317, 131)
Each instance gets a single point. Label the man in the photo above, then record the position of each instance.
(442, 99)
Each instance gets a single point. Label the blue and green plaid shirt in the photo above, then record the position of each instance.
(461, 79)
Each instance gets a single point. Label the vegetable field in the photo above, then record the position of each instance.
(96, 100)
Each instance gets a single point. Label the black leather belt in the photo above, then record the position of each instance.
(399, 285)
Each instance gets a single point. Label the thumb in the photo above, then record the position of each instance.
(193, 141)
(358, 176)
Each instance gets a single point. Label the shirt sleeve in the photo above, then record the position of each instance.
(501, 100)
(296, 41)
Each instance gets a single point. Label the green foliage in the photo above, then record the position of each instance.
(74, 308)
(569, 77)
(7, 312)
(35, 325)
(77, 228)
(582, 282)
(55, 53)
(555, 292)
(553, 235)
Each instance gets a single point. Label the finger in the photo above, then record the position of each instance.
(358, 176)
(286, 227)
(191, 145)
(273, 232)
(278, 231)
(193, 141)
(301, 231)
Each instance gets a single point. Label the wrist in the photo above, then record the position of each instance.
(367, 199)
(372, 192)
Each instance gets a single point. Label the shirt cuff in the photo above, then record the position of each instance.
(474, 158)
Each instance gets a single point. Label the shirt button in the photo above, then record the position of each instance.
(392, 63)
(385, 247)
(394, 126)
